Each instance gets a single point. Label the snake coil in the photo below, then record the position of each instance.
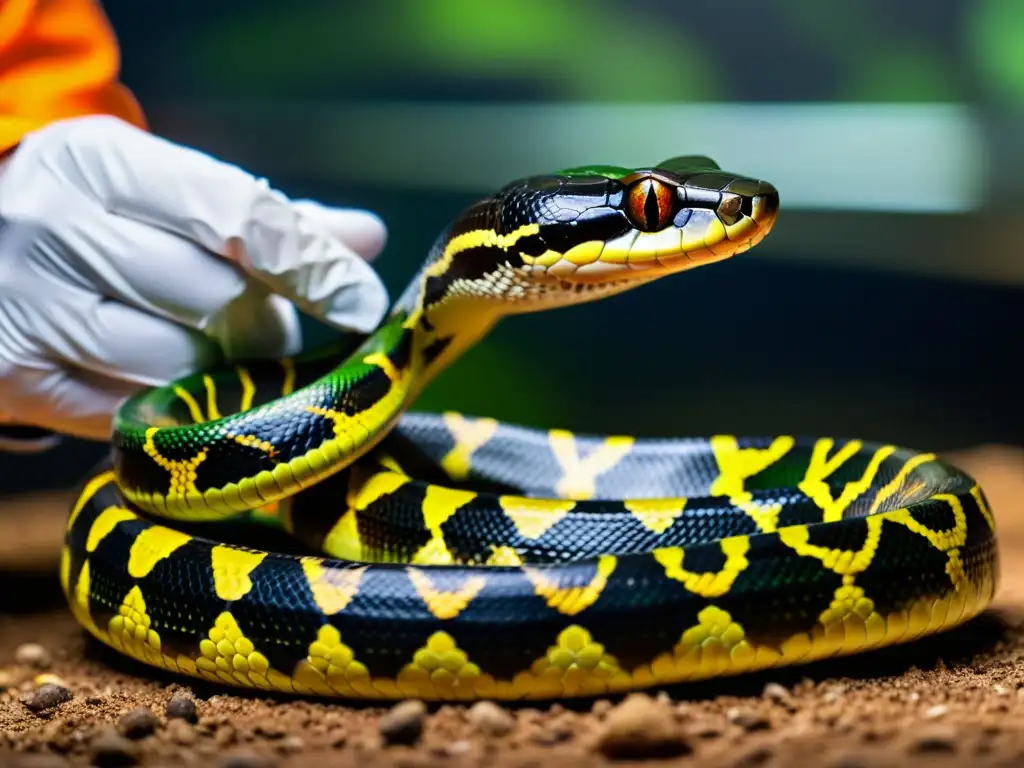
(446, 557)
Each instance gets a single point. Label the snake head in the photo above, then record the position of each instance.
(584, 233)
(603, 225)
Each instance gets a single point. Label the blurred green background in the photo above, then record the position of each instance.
(885, 305)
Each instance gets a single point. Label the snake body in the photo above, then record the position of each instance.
(291, 526)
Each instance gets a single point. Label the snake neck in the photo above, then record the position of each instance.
(435, 340)
(446, 307)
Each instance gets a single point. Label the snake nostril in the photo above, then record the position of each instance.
(730, 207)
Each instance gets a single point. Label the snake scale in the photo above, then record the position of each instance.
(449, 557)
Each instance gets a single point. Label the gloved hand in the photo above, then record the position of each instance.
(126, 261)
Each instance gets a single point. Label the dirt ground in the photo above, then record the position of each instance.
(947, 700)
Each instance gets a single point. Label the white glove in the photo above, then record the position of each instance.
(127, 261)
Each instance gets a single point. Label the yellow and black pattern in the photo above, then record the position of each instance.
(904, 547)
(290, 526)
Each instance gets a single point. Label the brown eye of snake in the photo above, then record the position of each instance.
(649, 205)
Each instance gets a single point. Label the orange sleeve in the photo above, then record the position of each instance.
(58, 59)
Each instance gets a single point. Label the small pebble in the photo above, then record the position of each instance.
(225, 735)
(246, 760)
(290, 744)
(46, 697)
(778, 693)
(456, 748)
(554, 735)
(181, 732)
(138, 723)
(110, 748)
(270, 729)
(39, 761)
(640, 728)
(490, 719)
(756, 756)
(33, 655)
(706, 729)
(601, 707)
(748, 721)
(6, 680)
(935, 738)
(933, 713)
(339, 739)
(182, 707)
(403, 723)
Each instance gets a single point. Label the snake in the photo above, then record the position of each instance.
(295, 526)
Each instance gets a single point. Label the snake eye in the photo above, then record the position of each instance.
(649, 205)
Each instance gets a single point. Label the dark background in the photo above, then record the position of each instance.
(876, 309)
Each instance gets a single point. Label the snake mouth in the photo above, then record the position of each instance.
(677, 224)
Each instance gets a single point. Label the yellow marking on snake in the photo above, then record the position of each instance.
(151, 546)
(227, 655)
(948, 541)
(212, 411)
(839, 561)
(737, 465)
(359, 431)
(656, 515)
(191, 403)
(469, 435)
(532, 517)
(979, 499)
(575, 664)
(104, 523)
(707, 584)
(384, 363)
(821, 467)
(570, 600)
(900, 477)
(79, 601)
(65, 571)
(332, 588)
(445, 604)
(439, 504)
(248, 388)
(644, 249)
(89, 490)
(182, 471)
(476, 238)
(439, 669)
(288, 386)
(715, 643)
(250, 441)
(131, 631)
(579, 476)
(343, 538)
(330, 667)
(504, 555)
(224, 655)
(232, 569)
(852, 612)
